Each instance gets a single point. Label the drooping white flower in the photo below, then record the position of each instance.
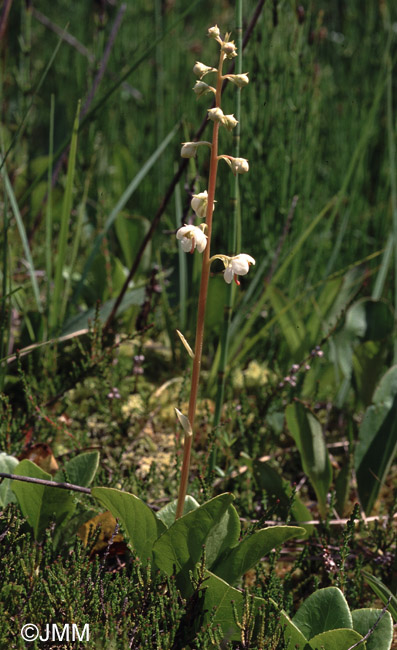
(216, 114)
(201, 88)
(192, 237)
(199, 204)
(237, 165)
(240, 80)
(189, 149)
(237, 265)
(200, 69)
(229, 121)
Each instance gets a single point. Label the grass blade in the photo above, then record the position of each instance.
(24, 239)
(56, 314)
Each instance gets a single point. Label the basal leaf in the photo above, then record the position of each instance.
(7, 465)
(139, 522)
(181, 546)
(307, 433)
(80, 470)
(223, 536)
(168, 512)
(367, 619)
(248, 553)
(324, 610)
(377, 440)
(41, 504)
(342, 639)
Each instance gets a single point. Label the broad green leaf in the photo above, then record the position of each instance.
(168, 512)
(292, 634)
(324, 610)
(383, 593)
(131, 231)
(341, 639)
(181, 546)
(248, 553)
(82, 321)
(322, 308)
(216, 303)
(342, 485)
(80, 470)
(41, 504)
(382, 633)
(219, 595)
(369, 320)
(377, 440)
(307, 433)
(368, 365)
(7, 465)
(278, 489)
(223, 536)
(139, 522)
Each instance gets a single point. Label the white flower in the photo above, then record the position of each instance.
(201, 88)
(189, 149)
(191, 237)
(238, 265)
(200, 69)
(237, 165)
(229, 121)
(199, 204)
(240, 80)
(216, 114)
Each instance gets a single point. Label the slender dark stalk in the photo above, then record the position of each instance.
(40, 481)
(4, 17)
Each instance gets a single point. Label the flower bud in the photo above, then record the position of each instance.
(239, 165)
(229, 49)
(240, 80)
(199, 204)
(216, 115)
(229, 122)
(189, 149)
(201, 88)
(214, 32)
(200, 70)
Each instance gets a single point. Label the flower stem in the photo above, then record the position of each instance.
(205, 273)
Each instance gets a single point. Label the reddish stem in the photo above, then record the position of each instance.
(205, 273)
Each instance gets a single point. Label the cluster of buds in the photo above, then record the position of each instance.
(194, 237)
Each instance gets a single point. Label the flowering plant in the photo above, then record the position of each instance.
(198, 238)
